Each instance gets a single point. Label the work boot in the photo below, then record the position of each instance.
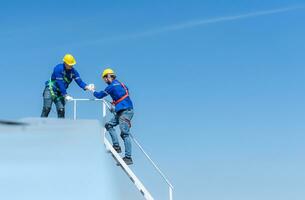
(128, 160)
(117, 148)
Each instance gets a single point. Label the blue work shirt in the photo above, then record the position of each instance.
(116, 91)
(62, 79)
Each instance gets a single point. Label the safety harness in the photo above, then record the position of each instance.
(51, 86)
(123, 97)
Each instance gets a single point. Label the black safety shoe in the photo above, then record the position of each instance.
(128, 160)
(117, 148)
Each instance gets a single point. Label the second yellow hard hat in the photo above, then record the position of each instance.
(107, 71)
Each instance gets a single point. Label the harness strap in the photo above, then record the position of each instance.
(51, 87)
(123, 97)
(67, 80)
(51, 84)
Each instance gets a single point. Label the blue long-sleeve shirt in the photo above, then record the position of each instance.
(116, 91)
(63, 78)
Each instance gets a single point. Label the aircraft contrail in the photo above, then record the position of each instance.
(222, 19)
(196, 23)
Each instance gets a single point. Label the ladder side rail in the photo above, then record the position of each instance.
(128, 171)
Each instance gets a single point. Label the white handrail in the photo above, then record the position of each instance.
(152, 162)
(106, 104)
(75, 105)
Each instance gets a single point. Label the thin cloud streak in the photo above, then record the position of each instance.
(195, 23)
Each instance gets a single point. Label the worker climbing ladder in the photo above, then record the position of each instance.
(139, 185)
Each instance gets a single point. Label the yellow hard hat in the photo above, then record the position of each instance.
(69, 59)
(107, 71)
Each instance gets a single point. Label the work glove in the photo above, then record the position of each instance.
(91, 87)
(68, 98)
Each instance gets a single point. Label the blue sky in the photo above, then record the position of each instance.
(218, 86)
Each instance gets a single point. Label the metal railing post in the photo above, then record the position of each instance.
(170, 193)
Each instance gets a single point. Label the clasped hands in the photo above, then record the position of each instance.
(90, 87)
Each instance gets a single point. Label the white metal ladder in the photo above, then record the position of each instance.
(118, 158)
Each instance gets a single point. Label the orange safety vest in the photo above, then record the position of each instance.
(123, 97)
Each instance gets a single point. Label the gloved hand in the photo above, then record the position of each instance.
(91, 87)
(68, 98)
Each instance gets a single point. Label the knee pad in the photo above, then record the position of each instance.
(61, 113)
(123, 135)
(108, 126)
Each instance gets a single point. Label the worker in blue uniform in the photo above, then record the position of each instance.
(123, 112)
(56, 88)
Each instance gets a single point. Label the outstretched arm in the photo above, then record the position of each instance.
(79, 81)
(102, 93)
